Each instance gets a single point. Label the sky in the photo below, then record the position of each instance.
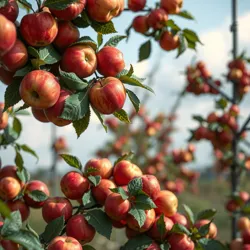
(212, 25)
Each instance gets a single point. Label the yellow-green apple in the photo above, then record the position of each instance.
(140, 24)
(6, 76)
(39, 29)
(16, 58)
(21, 207)
(40, 89)
(103, 10)
(74, 185)
(180, 242)
(53, 113)
(32, 186)
(71, 12)
(7, 35)
(9, 188)
(102, 167)
(166, 203)
(168, 41)
(39, 114)
(117, 208)
(157, 19)
(10, 10)
(150, 185)
(171, 6)
(78, 228)
(64, 243)
(125, 171)
(133, 223)
(179, 219)
(136, 5)
(212, 229)
(4, 117)
(68, 33)
(107, 95)
(110, 61)
(154, 232)
(56, 207)
(79, 59)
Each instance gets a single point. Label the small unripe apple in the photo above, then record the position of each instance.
(9, 188)
(180, 242)
(10, 10)
(140, 24)
(21, 206)
(136, 5)
(168, 41)
(212, 229)
(157, 18)
(64, 243)
(39, 114)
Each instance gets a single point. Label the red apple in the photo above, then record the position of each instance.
(56, 207)
(32, 186)
(212, 229)
(157, 18)
(9, 245)
(102, 167)
(179, 219)
(245, 234)
(74, 185)
(130, 233)
(53, 113)
(4, 117)
(6, 77)
(150, 185)
(119, 224)
(7, 35)
(39, 29)
(21, 206)
(68, 33)
(125, 171)
(9, 171)
(180, 242)
(108, 95)
(40, 89)
(168, 41)
(136, 5)
(79, 59)
(171, 6)
(243, 223)
(153, 246)
(64, 243)
(9, 188)
(39, 114)
(110, 61)
(16, 58)
(78, 228)
(10, 11)
(140, 24)
(117, 208)
(236, 244)
(71, 12)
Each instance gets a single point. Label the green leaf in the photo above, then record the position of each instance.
(19, 160)
(206, 214)
(82, 124)
(4, 210)
(38, 196)
(33, 52)
(103, 28)
(3, 3)
(180, 229)
(29, 228)
(82, 21)
(139, 242)
(95, 180)
(24, 71)
(139, 215)
(26, 4)
(28, 150)
(88, 200)
(191, 36)
(99, 116)
(58, 4)
(87, 247)
(165, 246)
(122, 116)
(172, 25)
(189, 214)
(99, 39)
(186, 14)
(198, 118)
(129, 156)
(52, 230)
(135, 186)
(86, 40)
(71, 160)
(121, 191)
(12, 96)
(17, 126)
(131, 71)
(134, 99)
(143, 201)
(23, 175)
(12, 224)
(49, 55)
(100, 221)
(161, 226)
(145, 51)
(25, 106)
(37, 63)
(210, 244)
(183, 45)
(113, 41)
(221, 103)
(76, 106)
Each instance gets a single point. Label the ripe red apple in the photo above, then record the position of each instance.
(39, 114)
(157, 18)
(212, 229)
(117, 208)
(108, 95)
(153, 246)
(16, 58)
(150, 185)
(102, 167)
(79, 59)
(53, 113)
(243, 223)
(21, 206)
(9, 245)
(133, 224)
(119, 224)
(180, 242)
(7, 35)
(39, 29)
(40, 89)
(74, 185)
(125, 171)
(130, 233)
(68, 33)
(10, 11)
(31, 186)
(136, 5)
(168, 41)
(246, 236)
(236, 244)
(171, 6)
(179, 219)
(103, 10)
(246, 247)
(78, 228)
(231, 205)
(6, 77)
(56, 207)
(154, 232)
(110, 61)
(9, 188)
(166, 203)
(60, 144)
(64, 243)
(71, 12)
(244, 196)
(140, 24)
(4, 117)
(9, 171)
